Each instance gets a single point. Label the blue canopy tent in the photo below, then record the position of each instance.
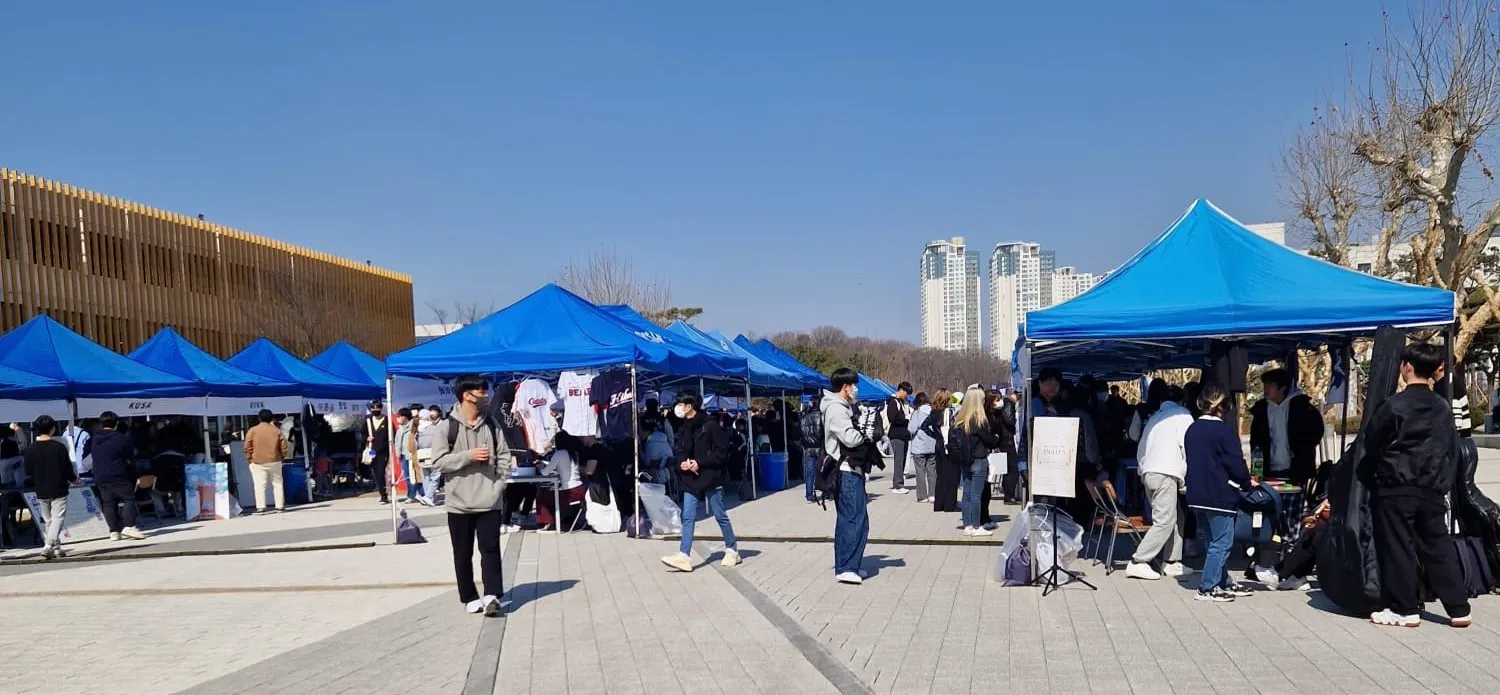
(326, 392)
(229, 390)
(351, 364)
(766, 379)
(812, 380)
(1208, 280)
(554, 330)
(28, 395)
(97, 378)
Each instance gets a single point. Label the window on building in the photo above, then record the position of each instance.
(1363, 267)
(202, 273)
(158, 267)
(54, 245)
(108, 256)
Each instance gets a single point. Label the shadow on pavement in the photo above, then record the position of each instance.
(527, 593)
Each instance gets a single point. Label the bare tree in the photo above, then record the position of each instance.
(461, 313)
(1428, 116)
(607, 277)
(1321, 179)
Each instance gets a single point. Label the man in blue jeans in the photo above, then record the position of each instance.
(811, 421)
(701, 454)
(840, 437)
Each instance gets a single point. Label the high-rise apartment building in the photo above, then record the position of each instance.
(951, 306)
(1016, 287)
(1068, 283)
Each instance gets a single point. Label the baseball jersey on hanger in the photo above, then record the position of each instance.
(579, 416)
(534, 399)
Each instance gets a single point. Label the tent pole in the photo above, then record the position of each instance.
(786, 441)
(208, 447)
(390, 442)
(635, 438)
(751, 423)
(307, 462)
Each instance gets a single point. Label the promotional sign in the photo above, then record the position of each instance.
(26, 411)
(220, 405)
(1054, 456)
(84, 520)
(405, 390)
(140, 407)
(338, 407)
(207, 493)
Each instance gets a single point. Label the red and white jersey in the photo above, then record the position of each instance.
(533, 407)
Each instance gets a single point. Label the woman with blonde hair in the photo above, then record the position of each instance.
(971, 439)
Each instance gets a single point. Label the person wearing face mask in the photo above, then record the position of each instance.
(467, 448)
(431, 478)
(851, 530)
(378, 442)
(701, 453)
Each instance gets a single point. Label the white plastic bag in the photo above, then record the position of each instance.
(665, 515)
(1069, 540)
(603, 518)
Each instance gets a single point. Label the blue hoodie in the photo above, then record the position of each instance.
(114, 457)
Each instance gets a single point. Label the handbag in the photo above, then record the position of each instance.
(408, 532)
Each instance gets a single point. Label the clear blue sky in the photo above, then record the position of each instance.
(740, 149)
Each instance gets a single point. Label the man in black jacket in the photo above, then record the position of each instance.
(1409, 466)
(115, 477)
(898, 429)
(1286, 428)
(701, 454)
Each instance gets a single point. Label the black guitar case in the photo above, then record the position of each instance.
(1347, 570)
(1477, 515)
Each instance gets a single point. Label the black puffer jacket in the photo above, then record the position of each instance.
(701, 439)
(1410, 446)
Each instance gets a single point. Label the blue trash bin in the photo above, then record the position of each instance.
(770, 471)
(294, 481)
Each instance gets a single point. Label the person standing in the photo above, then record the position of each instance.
(898, 424)
(468, 450)
(50, 467)
(1163, 468)
(701, 454)
(378, 443)
(266, 448)
(924, 443)
(1409, 466)
(970, 442)
(811, 422)
(1286, 428)
(115, 477)
(948, 476)
(1010, 483)
(1216, 475)
(431, 478)
(851, 529)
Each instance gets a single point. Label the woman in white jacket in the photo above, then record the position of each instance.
(1163, 468)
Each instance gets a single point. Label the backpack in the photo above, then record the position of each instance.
(1261, 504)
(453, 432)
(826, 481)
(811, 423)
(960, 447)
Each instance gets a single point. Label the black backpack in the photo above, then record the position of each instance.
(960, 446)
(826, 480)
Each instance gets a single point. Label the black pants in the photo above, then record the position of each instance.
(620, 464)
(1010, 484)
(1409, 530)
(114, 496)
(379, 470)
(520, 498)
(463, 530)
(898, 461)
(1301, 560)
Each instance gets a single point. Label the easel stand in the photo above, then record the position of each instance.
(1056, 577)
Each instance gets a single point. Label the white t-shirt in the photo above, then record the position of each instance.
(572, 476)
(579, 417)
(534, 399)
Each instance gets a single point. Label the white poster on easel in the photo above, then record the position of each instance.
(1054, 456)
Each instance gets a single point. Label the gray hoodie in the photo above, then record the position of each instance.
(839, 432)
(472, 487)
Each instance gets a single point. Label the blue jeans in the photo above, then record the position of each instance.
(810, 460)
(715, 500)
(972, 480)
(432, 479)
(851, 528)
(1218, 529)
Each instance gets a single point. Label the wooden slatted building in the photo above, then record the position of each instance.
(118, 272)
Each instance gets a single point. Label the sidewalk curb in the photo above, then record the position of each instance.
(99, 556)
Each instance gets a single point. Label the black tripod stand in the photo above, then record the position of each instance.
(1056, 576)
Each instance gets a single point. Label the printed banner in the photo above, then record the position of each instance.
(139, 407)
(84, 520)
(207, 493)
(1054, 456)
(219, 405)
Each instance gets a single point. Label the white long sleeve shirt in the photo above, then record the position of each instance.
(1161, 449)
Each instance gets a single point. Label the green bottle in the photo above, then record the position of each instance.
(1257, 463)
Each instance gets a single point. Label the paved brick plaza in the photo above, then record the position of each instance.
(597, 614)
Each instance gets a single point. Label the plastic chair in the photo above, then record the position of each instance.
(1118, 521)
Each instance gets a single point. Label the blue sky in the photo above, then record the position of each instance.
(741, 150)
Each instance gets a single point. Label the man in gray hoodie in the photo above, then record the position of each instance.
(468, 449)
(851, 528)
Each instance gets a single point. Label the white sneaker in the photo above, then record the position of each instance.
(114, 535)
(1391, 618)
(981, 532)
(48, 553)
(475, 607)
(850, 578)
(491, 606)
(902, 491)
(1136, 570)
(133, 533)
(1173, 569)
(731, 557)
(679, 562)
(1267, 576)
(1293, 584)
